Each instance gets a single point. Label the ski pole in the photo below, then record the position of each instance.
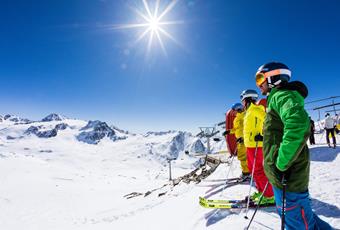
(231, 164)
(251, 180)
(258, 205)
(283, 211)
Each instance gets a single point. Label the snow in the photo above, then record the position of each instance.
(63, 183)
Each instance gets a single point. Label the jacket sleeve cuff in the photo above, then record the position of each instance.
(279, 168)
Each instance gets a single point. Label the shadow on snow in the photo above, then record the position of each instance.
(323, 154)
(217, 215)
(325, 209)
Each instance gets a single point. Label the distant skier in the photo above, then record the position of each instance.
(238, 132)
(330, 128)
(312, 131)
(286, 155)
(252, 132)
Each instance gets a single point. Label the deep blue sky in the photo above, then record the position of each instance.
(61, 56)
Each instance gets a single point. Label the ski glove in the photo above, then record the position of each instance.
(282, 176)
(239, 140)
(225, 133)
(258, 137)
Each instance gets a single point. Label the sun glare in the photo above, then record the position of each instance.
(153, 24)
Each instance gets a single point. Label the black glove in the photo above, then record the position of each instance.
(225, 133)
(281, 176)
(239, 140)
(258, 137)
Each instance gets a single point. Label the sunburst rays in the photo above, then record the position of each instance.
(153, 24)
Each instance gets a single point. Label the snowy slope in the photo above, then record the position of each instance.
(63, 183)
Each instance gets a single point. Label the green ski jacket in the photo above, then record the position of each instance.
(286, 130)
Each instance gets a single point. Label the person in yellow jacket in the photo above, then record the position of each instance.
(237, 130)
(253, 140)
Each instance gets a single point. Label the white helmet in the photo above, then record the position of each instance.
(249, 93)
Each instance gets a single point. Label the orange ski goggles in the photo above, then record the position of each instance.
(261, 77)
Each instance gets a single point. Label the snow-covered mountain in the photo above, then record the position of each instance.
(94, 131)
(162, 145)
(16, 119)
(53, 117)
(74, 174)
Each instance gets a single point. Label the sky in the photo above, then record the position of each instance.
(77, 58)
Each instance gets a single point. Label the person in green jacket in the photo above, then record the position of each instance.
(286, 156)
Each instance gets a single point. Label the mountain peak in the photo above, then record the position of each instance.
(16, 119)
(96, 130)
(54, 117)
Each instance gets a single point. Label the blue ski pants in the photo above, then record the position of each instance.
(299, 214)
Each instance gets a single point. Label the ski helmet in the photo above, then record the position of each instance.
(249, 93)
(237, 106)
(274, 72)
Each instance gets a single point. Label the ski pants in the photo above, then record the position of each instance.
(298, 211)
(260, 178)
(242, 157)
(330, 131)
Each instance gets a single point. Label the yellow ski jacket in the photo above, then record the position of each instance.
(253, 124)
(238, 125)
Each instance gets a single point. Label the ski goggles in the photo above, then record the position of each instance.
(260, 77)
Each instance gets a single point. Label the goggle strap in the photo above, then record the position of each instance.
(277, 72)
(249, 95)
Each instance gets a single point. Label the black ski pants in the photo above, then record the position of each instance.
(330, 131)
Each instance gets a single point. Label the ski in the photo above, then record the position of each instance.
(230, 204)
(224, 206)
(233, 179)
(219, 188)
(217, 201)
(226, 185)
(215, 184)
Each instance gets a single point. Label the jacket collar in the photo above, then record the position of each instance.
(272, 92)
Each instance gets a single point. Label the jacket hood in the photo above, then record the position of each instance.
(297, 86)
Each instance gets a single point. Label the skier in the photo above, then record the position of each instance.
(238, 131)
(286, 155)
(330, 128)
(312, 130)
(252, 132)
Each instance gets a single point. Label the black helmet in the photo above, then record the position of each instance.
(274, 72)
(237, 106)
(249, 93)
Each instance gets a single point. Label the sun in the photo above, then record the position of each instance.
(153, 24)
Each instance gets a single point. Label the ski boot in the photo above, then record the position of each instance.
(244, 177)
(254, 196)
(266, 201)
